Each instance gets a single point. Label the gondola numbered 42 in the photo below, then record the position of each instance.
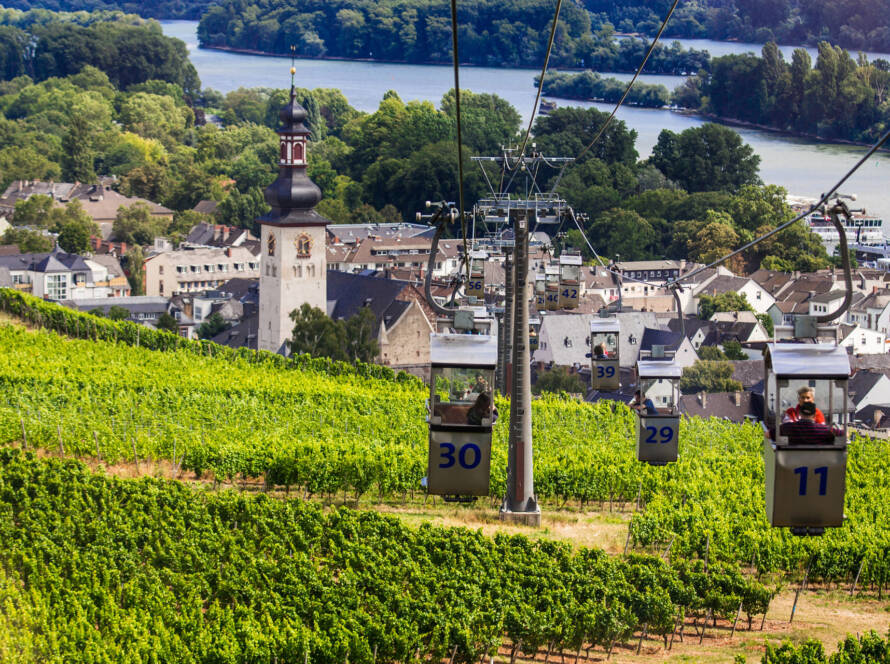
(461, 413)
(805, 453)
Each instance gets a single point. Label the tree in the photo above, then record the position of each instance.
(558, 379)
(361, 336)
(711, 353)
(706, 158)
(733, 350)
(167, 322)
(136, 224)
(134, 267)
(116, 312)
(77, 153)
(28, 242)
(708, 376)
(33, 211)
(74, 238)
(213, 325)
(623, 232)
(767, 323)
(708, 305)
(316, 334)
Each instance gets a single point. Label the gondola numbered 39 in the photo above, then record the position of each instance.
(658, 415)
(604, 360)
(805, 463)
(460, 413)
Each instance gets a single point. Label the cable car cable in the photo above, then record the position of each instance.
(460, 160)
(874, 148)
(632, 81)
(531, 120)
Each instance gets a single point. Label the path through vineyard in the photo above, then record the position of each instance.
(828, 615)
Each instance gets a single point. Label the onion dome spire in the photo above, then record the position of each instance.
(293, 196)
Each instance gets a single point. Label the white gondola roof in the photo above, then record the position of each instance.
(552, 269)
(605, 325)
(810, 360)
(464, 350)
(570, 259)
(659, 369)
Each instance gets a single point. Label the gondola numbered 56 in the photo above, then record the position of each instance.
(460, 413)
(804, 452)
(658, 415)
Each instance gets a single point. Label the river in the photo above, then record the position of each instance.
(803, 167)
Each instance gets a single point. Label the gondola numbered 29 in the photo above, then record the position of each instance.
(460, 413)
(805, 454)
(658, 415)
(604, 360)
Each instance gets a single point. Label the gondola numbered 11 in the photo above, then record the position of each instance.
(460, 413)
(805, 456)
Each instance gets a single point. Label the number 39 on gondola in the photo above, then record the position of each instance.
(461, 413)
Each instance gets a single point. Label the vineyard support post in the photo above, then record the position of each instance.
(856, 580)
(704, 627)
(520, 504)
(736, 621)
(96, 440)
(799, 588)
(642, 636)
(24, 435)
(61, 444)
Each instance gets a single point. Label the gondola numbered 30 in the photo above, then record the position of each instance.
(805, 435)
(658, 415)
(604, 360)
(461, 413)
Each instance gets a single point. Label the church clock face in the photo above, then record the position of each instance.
(304, 246)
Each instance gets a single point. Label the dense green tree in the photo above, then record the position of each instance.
(167, 322)
(77, 156)
(733, 350)
(316, 334)
(708, 376)
(360, 332)
(623, 232)
(706, 158)
(28, 241)
(212, 325)
(558, 379)
(133, 263)
(118, 313)
(708, 305)
(712, 353)
(135, 224)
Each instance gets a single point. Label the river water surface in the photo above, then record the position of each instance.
(803, 167)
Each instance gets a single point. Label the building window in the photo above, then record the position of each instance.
(57, 286)
(270, 245)
(304, 246)
(160, 269)
(161, 287)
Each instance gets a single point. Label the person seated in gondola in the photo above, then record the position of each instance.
(643, 406)
(480, 386)
(804, 395)
(806, 430)
(481, 410)
(599, 352)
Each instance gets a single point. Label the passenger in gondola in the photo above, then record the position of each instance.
(481, 410)
(804, 395)
(480, 386)
(599, 352)
(643, 406)
(806, 430)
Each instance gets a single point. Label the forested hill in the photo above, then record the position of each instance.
(130, 50)
(853, 24)
(161, 9)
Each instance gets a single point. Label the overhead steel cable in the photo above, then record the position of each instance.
(531, 120)
(460, 154)
(874, 148)
(632, 81)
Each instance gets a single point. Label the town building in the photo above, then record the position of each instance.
(169, 273)
(61, 276)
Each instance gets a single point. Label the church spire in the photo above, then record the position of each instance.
(293, 196)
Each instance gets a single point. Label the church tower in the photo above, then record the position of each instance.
(293, 264)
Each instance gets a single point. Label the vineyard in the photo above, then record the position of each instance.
(94, 569)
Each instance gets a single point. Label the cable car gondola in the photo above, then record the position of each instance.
(461, 413)
(569, 280)
(658, 415)
(604, 365)
(551, 284)
(476, 285)
(805, 466)
(540, 292)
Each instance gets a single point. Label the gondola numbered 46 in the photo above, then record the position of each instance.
(658, 425)
(805, 463)
(460, 413)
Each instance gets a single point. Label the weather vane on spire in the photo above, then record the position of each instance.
(293, 69)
